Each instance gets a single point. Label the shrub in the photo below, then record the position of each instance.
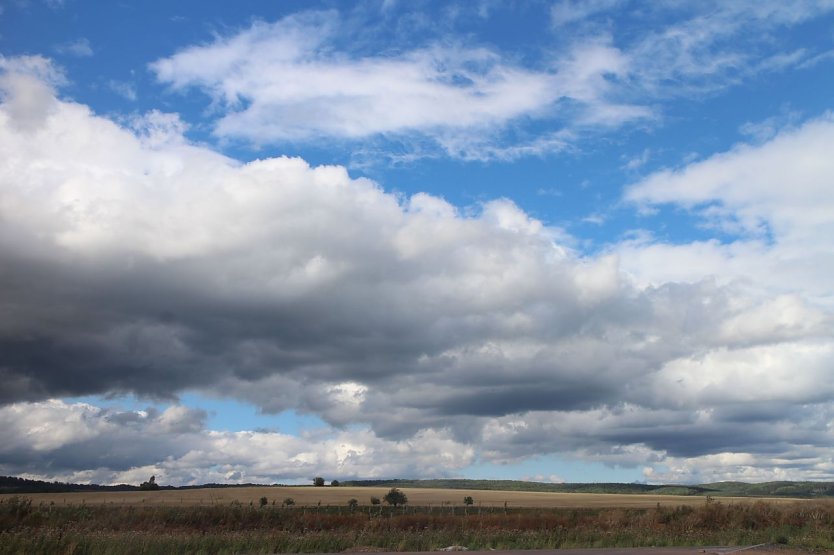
(395, 497)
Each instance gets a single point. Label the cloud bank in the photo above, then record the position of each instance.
(134, 261)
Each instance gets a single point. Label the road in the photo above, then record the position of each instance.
(764, 549)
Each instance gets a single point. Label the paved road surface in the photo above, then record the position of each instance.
(749, 550)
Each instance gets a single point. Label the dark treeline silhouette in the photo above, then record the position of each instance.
(11, 484)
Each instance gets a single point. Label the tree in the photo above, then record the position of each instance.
(149, 485)
(318, 481)
(468, 500)
(334, 483)
(353, 503)
(395, 497)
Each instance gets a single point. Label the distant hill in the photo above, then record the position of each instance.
(10, 484)
(730, 489)
(518, 485)
(772, 489)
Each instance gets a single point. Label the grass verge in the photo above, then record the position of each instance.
(237, 528)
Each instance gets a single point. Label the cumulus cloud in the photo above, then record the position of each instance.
(79, 442)
(774, 197)
(132, 260)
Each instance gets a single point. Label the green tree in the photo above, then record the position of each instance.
(395, 497)
(334, 483)
(318, 481)
(149, 485)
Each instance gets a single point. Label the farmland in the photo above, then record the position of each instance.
(233, 520)
(339, 496)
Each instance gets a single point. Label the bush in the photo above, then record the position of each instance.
(289, 502)
(395, 497)
(468, 500)
(353, 503)
(375, 500)
(263, 501)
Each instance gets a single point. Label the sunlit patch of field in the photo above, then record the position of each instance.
(339, 496)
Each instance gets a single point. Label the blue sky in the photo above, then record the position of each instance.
(261, 242)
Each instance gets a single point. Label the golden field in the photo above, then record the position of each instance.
(339, 496)
(232, 520)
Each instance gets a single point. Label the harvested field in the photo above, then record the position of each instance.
(235, 527)
(339, 496)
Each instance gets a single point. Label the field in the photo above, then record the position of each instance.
(234, 520)
(424, 497)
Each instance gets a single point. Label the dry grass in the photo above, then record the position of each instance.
(339, 496)
(235, 527)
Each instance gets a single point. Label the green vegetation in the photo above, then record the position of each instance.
(395, 497)
(93, 529)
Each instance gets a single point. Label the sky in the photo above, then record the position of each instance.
(583, 241)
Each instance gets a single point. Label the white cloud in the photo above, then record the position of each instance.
(776, 195)
(80, 48)
(761, 131)
(299, 78)
(284, 81)
(289, 87)
(568, 12)
(26, 89)
(711, 45)
(128, 446)
(123, 88)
